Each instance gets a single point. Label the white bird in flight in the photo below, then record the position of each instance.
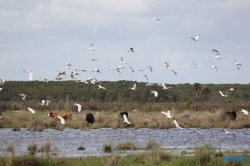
(125, 119)
(166, 65)
(231, 89)
(68, 64)
(31, 110)
(91, 47)
(157, 19)
(174, 72)
(164, 86)
(217, 56)
(133, 70)
(214, 50)
(150, 68)
(23, 96)
(196, 65)
(215, 67)
(184, 66)
(196, 38)
(133, 88)
(62, 119)
(101, 87)
(79, 107)
(123, 61)
(94, 59)
(155, 93)
(97, 70)
(167, 114)
(31, 76)
(244, 111)
(131, 50)
(223, 95)
(145, 76)
(25, 71)
(177, 125)
(228, 133)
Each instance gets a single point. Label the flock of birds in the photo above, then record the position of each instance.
(61, 75)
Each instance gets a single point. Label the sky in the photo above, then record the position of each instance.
(41, 36)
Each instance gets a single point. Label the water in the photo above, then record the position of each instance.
(65, 143)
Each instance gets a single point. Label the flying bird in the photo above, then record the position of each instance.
(23, 96)
(166, 65)
(31, 76)
(31, 110)
(68, 64)
(228, 133)
(215, 67)
(244, 111)
(131, 50)
(184, 66)
(196, 65)
(133, 88)
(150, 68)
(101, 87)
(133, 70)
(125, 119)
(45, 79)
(79, 107)
(214, 50)
(196, 38)
(123, 61)
(91, 47)
(62, 119)
(223, 94)
(167, 114)
(94, 59)
(157, 19)
(174, 72)
(145, 76)
(177, 125)
(25, 71)
(217, 56)
(97, 70)
(164, 86)
(231, 89)
(155, 93)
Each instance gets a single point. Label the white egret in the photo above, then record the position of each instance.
(131, 50)
(31, 110)
(228, 133)
(79, 107)
(164, 86)
(196, 38)
(125, 119)
(155, 93)
(133, 88)
(91, 47)
(23, 96)
(167, 114)
(101, 87)
(223, 95)
(177, 125)
(244, 111)
(145, 76)
(62, 119)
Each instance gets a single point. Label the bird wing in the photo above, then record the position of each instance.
(31, 110)
(126, 119)
(169, 114)
(221, 93)
(43, 102)
(62, 119)
(177, 125)
(163, 85)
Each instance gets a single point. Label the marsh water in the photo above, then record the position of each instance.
(66, 142)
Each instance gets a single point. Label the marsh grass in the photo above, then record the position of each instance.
(126, 146)
(113, 160)
(148, 116)
(10, 148)
(32, 148)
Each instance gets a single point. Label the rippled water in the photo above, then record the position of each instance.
(68, 140)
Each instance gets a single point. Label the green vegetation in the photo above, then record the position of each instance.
(201, 156)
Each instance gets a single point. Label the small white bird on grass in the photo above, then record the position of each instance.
(177, 125)
(223, 95)
(196, 38)
(155, 93)
(228, 133)
(167, 114)
(31, 110)
(244, 111)
(125, 119)
(91, 47)
(62, 119)
(134, 87)
(79, 107)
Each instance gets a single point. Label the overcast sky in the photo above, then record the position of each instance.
(41, 36)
